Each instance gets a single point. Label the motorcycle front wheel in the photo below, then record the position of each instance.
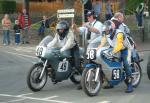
(33, 81)
(89, 85)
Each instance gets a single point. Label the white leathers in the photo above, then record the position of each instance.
(67, 43)
(94, 25)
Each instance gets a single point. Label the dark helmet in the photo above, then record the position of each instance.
(91, 12)
(62, 29)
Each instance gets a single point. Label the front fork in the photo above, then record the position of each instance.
(96, 76)
(41, 75)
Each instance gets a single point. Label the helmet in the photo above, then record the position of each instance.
(107, 25)
(62, 29)
(91, 12)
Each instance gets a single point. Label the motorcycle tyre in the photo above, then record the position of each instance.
(136, 85)
(29, 75)
(84, 73)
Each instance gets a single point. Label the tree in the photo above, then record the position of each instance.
(68, 4)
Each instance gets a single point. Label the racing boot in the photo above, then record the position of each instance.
(129, 86)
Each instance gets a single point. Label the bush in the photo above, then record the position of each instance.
(7, 6)
(131, 6)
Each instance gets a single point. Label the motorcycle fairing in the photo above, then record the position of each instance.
(111, 64)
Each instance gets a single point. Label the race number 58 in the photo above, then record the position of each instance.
(91, 54)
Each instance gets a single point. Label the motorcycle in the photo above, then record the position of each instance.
(101, 67)
(53, 64)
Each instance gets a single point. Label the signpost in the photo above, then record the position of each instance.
(65, 13)
(83, 3)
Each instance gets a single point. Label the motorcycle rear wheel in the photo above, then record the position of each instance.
(33, 81)
(136, 75)
(91, 87)
(76, 78)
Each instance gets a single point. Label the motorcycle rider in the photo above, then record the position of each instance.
(122, 26)
(66, 40)
(115, 38)
(119, 17)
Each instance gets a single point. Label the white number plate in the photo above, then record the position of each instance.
(116, 74)
(40, 51)
(91, 54)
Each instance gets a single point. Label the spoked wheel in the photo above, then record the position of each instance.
(136, 74)
(89, 85)
(33, 81)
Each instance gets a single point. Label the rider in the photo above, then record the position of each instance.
(116, 40)
(119, 17)
(65, 40)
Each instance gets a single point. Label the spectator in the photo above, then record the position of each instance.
(112, 10)
(17, 30)
(92, 29)
(25, 23)
(87, 7)
(43, 26)
(97, 7)
(108, 14)
(6, 24)
(139, 14)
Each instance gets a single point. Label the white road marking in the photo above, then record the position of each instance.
(105, 102)
(33, 98)
(24, 94)
(21, 55)
(47, 98)
(16, 100)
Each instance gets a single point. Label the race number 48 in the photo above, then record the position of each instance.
(91, 54)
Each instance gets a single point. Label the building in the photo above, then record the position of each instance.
(54, 5)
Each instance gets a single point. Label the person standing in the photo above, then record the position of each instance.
(139, 14)
(108, 14)
(25, 23)
(17, 30)
(97, 7)
(87, 7)
(92, 29)
(43, 26)
(6, 24)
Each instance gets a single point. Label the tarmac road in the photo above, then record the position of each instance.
(14, 66)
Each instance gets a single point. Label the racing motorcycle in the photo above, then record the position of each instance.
(52, 64)
(103, 67)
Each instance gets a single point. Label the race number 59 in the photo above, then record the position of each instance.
(116, 74)
(91, 54)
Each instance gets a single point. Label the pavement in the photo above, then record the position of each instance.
(34, 40)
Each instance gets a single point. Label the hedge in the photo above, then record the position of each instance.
(7, 6)
(131, 6)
